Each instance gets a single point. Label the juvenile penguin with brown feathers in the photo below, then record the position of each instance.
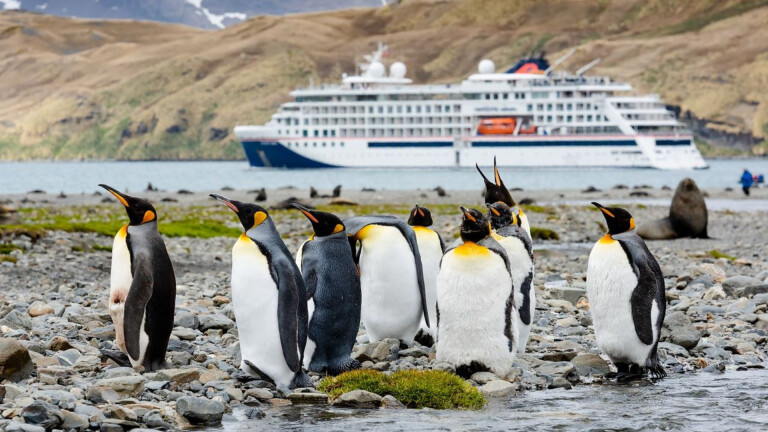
(495, 191)
(142, 290)
(476, 328)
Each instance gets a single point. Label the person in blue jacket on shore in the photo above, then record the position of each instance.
(746, 181)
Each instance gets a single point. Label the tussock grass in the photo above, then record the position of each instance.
(544, 234)
(716, 254)
(415, 389)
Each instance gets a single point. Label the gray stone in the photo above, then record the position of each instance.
(590, 364)
(673, 349)
(483, 377)
(760, 299)
(87, 363)
(73, 421)
(43, 414)
(17, 320)
(734, 286)
(679, 330)
(391, 402)
(261, 394)
(179, 376)
(358, 399)
(382, 350)
(15, 362)
(184, 333)
(127, 386)
(560, 382)
(215, 321)
(187, 320)
(415, 352)
(88, 411)
(497, 388)
(153, 419)
(200, 410)
(569, 294)
(119, 372)
(58, 343)
(22, 427)
(68, 357)
(555, 369)
(308, 398)
(756, 289)
(741, 306)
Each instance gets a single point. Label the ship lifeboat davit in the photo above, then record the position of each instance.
(503, 126)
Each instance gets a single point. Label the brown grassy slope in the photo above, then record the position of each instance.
(119, 89)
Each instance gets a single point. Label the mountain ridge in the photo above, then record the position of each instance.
(90, 89)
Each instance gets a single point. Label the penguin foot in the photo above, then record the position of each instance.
(254, 371)
(657, 371)
(465, 371)
(624, 377)
(301, 380)
(424, 338)
(348, 365)
(118, 357)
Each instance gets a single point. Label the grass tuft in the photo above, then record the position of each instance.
(544, 234)
(716, 254)
(8, 258)
(415, 389)
(7, 248)
(98, 247)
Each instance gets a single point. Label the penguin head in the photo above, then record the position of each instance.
(420, 216)
(140, 211)
(474, 225)
(501, 215)
(495, 191)
(250, 215)
(618, 219)
(324, 224)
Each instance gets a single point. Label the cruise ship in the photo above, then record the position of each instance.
(529, 115)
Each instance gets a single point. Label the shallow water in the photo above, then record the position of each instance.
(733, 401)
(76, 177)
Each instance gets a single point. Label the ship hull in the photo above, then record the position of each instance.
(663, 152)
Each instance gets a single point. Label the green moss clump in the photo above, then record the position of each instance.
(6, 248)
(544, 234)
(7, 258)
(415, 389)
(537, 208)
(716, 254)
(77, 248)
(98, 247)
(33, 232)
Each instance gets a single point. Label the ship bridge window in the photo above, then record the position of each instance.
(447, 108)
(317, 132)
(549, 107)
(408, 109)
(559, 107)
(304, 132)
(427, 109)
(367, 97)
(389, 109)
(529, 107)
(504, 95)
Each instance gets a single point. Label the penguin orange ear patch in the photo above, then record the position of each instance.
(258, 218)
(149, 216)
(631, 224)
(338, 228)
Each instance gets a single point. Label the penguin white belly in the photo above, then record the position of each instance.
(610, 283)
(121, 279)
(309, 348)
(520, 266)
(391, 301)
(431, 254)
(255, 301)
(472, 293)
(524, 224)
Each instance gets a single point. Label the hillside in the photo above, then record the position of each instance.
(72, 89)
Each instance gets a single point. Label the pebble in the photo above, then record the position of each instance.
(200, 410)
(358, 399)
(15, 362)
(497, 388)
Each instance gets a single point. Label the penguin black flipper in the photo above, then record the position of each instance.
(136, 303)
(442, 243)
(650, 285)
(356, 223)
(309, 266)
(288, 314)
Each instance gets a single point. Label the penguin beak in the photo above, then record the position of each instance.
(122, 198)
(307, 212)
(226, 202)
(467, 215)
(418, 210)
(496, 175)
(603, 209)
(493, 210)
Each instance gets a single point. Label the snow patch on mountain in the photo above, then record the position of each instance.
(215, 19)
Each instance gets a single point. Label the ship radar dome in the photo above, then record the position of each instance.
(397, 70)
(486, 66)
(375, 70)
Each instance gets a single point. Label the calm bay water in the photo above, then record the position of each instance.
(76, 177)
(734, 401)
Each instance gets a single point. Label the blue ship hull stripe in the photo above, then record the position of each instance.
(272, 154)
(553, 143)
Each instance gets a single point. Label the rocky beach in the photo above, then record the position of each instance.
(54, 276)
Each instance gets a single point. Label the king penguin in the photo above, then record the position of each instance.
(431, 249)
(626, 297)
(269, 300)
(496, 192)
(142, 291)
(333, 294)
(476, 329)
(517, 245)
(391, 277)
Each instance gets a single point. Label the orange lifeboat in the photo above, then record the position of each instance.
(497, 126)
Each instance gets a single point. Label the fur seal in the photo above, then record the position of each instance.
(687, 216)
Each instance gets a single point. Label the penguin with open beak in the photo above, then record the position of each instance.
(142, 290)
(495, 191)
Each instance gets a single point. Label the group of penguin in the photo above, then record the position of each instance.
(473, 300)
